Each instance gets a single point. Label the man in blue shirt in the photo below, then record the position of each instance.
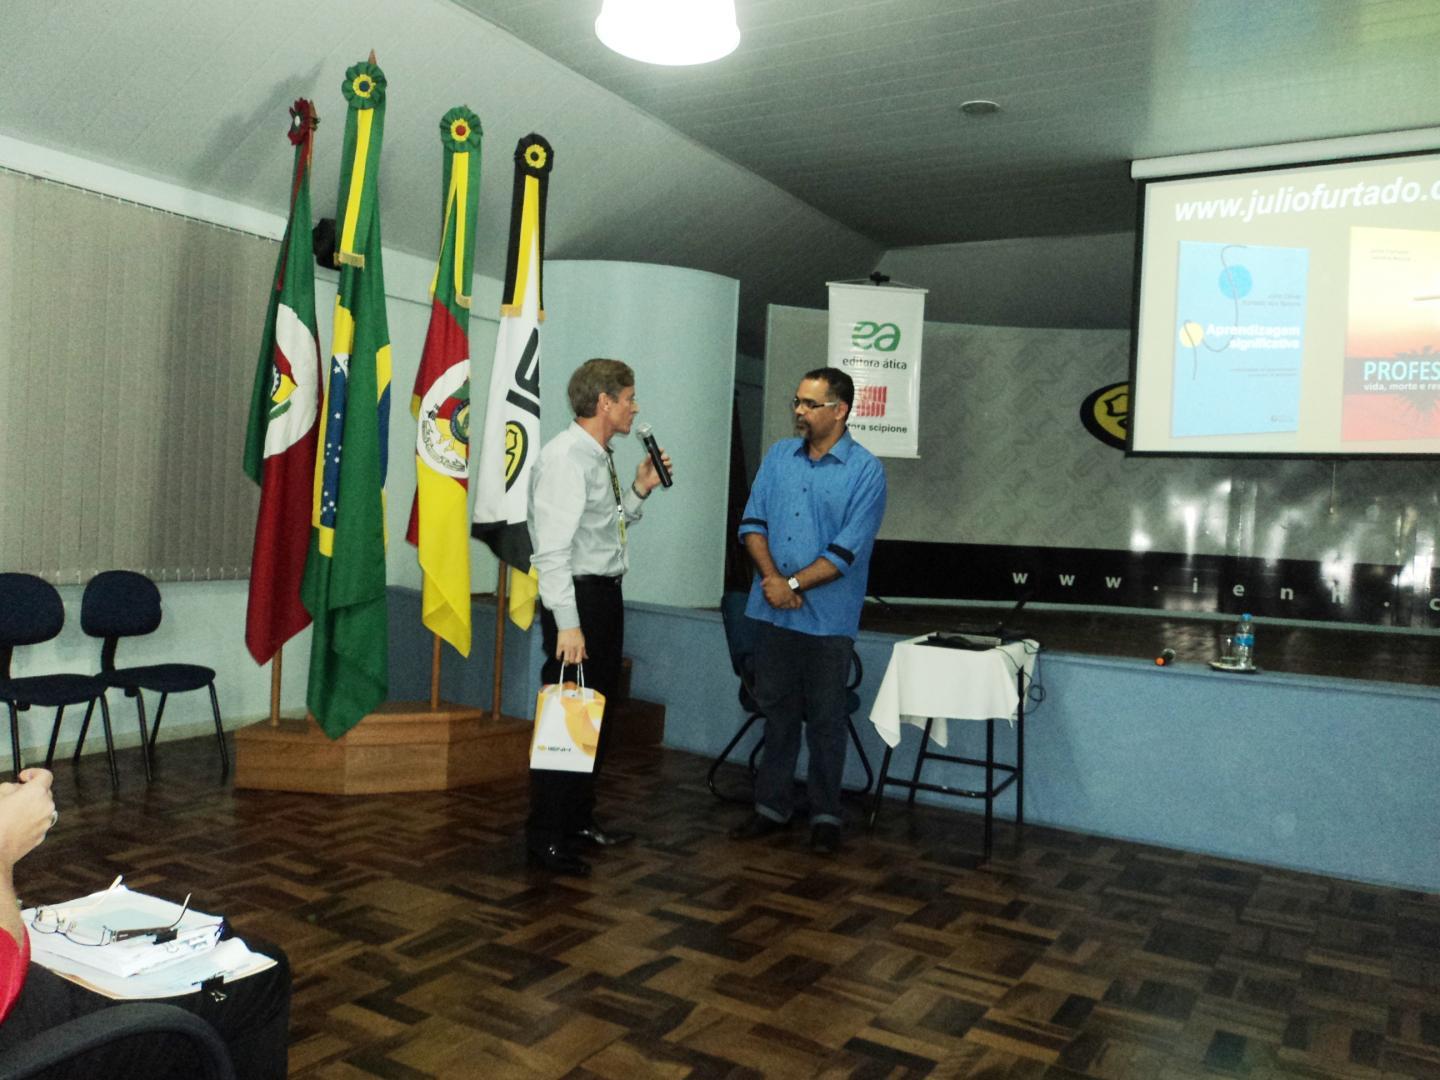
(809, 527)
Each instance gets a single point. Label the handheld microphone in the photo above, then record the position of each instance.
(1165, 658)
(647, 436)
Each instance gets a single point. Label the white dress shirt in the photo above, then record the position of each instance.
(574, 521)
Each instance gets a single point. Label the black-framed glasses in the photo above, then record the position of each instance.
(810, 406)
(67, 922)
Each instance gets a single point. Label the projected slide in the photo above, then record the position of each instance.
(1392, 340)
(1239, 338)
(1290, 311)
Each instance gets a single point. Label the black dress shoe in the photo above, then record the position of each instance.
(825, 838)
(756, 826)
(594, 836)
(557, 860)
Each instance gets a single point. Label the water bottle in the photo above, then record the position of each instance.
(1244, 638)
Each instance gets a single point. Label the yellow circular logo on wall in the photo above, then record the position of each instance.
(1106, 414)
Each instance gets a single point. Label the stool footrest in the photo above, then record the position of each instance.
(944, 789)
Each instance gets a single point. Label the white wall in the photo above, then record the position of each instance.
(1074, 282)
(676, 328)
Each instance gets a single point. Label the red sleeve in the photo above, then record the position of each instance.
(14, 963)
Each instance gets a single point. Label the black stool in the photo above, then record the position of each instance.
(1014, 773)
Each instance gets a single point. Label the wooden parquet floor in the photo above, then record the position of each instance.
(423, 947)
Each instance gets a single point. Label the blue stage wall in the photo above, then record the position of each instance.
(1333, 776)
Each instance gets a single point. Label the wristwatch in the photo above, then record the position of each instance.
(793, 582)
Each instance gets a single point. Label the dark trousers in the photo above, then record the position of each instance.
(253, 1019)
(800, 686)
(561, 803)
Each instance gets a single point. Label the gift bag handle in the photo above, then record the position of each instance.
(579, 667)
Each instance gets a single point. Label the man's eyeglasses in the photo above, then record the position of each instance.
(810, 406)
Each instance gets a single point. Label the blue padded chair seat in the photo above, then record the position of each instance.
(161, 678)
(51, 690)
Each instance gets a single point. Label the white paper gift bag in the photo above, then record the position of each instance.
(567, 726)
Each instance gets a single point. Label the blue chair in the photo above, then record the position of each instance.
(740, 638)
(31, 611)
(122, 603)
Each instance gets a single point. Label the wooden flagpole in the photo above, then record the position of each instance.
(497, 682)
(435, 673)
(275, 664)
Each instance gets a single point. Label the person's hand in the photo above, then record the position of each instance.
(647, 479)
(779, 594)
(570, 646)
(27, 811)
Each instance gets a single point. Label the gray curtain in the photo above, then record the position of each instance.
(128, 341)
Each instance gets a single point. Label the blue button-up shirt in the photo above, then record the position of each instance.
(806, 510)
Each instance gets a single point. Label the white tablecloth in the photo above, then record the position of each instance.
(930, 681)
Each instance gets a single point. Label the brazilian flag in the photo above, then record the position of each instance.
(344, 585)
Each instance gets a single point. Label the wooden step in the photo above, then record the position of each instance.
(402, 746)
(636, 723)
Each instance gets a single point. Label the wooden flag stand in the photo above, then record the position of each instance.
(401, 746)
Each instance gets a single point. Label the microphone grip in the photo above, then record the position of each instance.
(653, 448)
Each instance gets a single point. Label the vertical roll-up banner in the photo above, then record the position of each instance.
(875, 337)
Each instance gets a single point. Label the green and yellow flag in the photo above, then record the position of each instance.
(344, 586)
(512, 411)
(439, 519)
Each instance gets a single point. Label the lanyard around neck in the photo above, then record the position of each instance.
(615, 490)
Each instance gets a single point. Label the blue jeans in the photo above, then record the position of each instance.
(800, 683)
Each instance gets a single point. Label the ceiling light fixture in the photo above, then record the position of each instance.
(673, 32)
(979, 107)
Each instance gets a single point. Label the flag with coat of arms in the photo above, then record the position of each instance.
(511, 436)
(344, 587)
(441, 401)
(284, 410)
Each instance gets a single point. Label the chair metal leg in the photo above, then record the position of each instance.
(219, 731)
(55, 735)
(864, 760)
(145, 743)
(715, 765)
(80, 741)
(880, 787)
(755, 752)
(15, 739)
(109, 742)
(155, 731)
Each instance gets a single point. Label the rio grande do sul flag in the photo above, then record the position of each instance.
(344, 587)
(512, 411)
(284, 408)
(441, 403)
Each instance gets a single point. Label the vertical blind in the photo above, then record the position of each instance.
(128, 341)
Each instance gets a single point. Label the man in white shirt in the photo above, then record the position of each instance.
(579, 516)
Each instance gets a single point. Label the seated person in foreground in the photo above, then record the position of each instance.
(251, 1015)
